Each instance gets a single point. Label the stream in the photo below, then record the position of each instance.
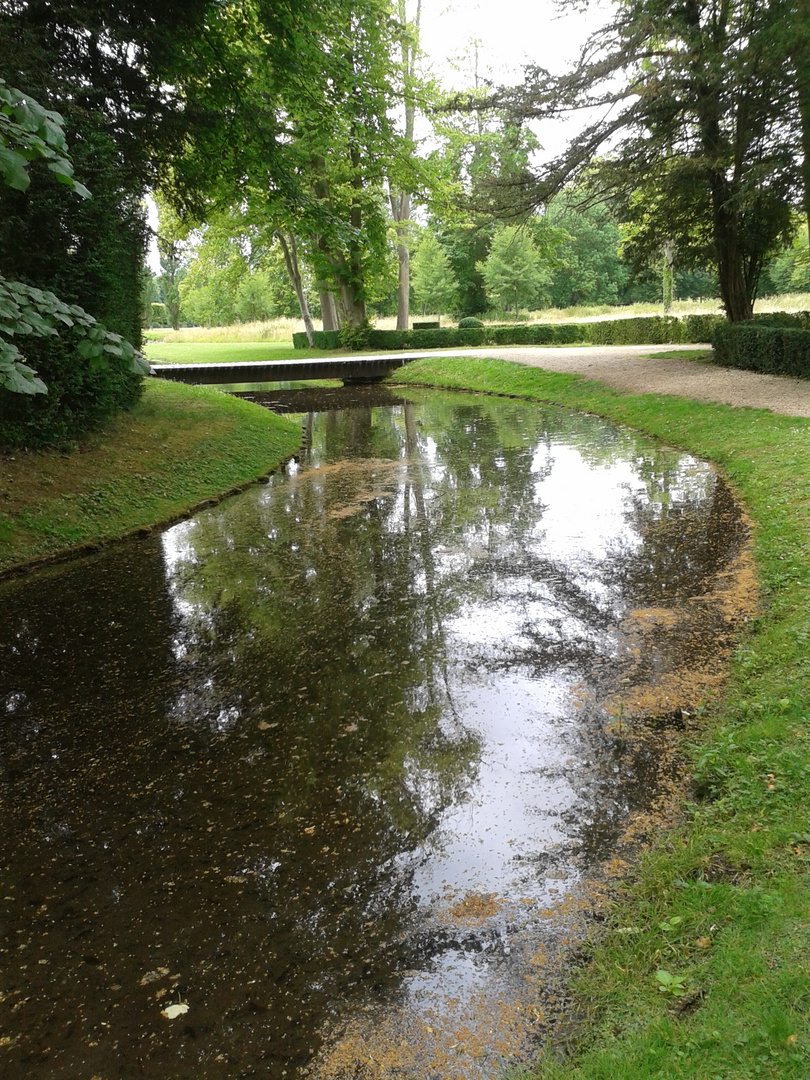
(322, 781)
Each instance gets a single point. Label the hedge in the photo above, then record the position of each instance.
(638, 331)
(758, 346)
(643, 330)
(80, 395)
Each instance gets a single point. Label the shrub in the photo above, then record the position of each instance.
(773, 350)
(433, 325)
(321, 339)
(354, 337)
(80, 395)
(470, 323)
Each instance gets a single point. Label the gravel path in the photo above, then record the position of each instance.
(628, 368)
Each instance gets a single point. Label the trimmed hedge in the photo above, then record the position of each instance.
(639, 331)
(760, 346)
(321, 339)
(643, 330)
(79, 398)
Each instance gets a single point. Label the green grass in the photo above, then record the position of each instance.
(721, 904)
(179, 446)
(693, 355)
(227, 352)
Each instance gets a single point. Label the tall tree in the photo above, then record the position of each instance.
(399, 194)
(698, 128)
(307, 95)
(433, 281)
(513, 270)
(172, 242)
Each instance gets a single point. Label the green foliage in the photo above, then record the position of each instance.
(90, 376)
(469, 323)
(235, 273)
(700, 117)
(28, 132)
(757, 347)
(789, 270)
(512, 271)
(354, 336)
(432, 278)
(321, 339)
(466, 247)
(159, 314)
(589, 269)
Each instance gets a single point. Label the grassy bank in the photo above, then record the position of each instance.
(178, 447)
(702, 972)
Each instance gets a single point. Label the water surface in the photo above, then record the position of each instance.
(317, 762)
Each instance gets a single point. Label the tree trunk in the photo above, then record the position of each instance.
(329, 316)
(668, 276)
(290, 250)
(800, 55)
(735, 282)
(401, 209)
(401, 201)
(735, 290)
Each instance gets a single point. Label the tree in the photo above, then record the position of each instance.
(172, 242)
(433, 281)
(307, 95)
(400, 197)
(513, 271)
(698, 131)
(589, 269)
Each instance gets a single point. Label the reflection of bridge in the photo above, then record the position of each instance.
(349, 369)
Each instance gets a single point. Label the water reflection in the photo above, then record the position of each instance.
(315, 762)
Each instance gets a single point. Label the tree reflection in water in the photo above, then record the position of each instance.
(318, 749)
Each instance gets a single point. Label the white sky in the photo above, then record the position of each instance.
(510, 33)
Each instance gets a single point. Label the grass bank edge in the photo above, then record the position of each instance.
(180, 447)
(702, 970)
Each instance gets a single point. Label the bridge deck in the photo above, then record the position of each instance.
(349, 369)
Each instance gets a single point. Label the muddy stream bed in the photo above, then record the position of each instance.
(320, 782)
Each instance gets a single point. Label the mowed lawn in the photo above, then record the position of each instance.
(226, 352)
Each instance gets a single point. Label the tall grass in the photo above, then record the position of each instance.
(282, 329)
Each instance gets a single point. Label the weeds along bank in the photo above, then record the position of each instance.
(177, 447)
(702, 970)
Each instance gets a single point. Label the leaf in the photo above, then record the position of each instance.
(13, 170)
(171, 1012)
(21, 380)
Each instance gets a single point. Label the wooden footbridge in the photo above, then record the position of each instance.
(351, 370)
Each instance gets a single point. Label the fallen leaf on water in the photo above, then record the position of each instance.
(153, 976)
(171, 1012)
